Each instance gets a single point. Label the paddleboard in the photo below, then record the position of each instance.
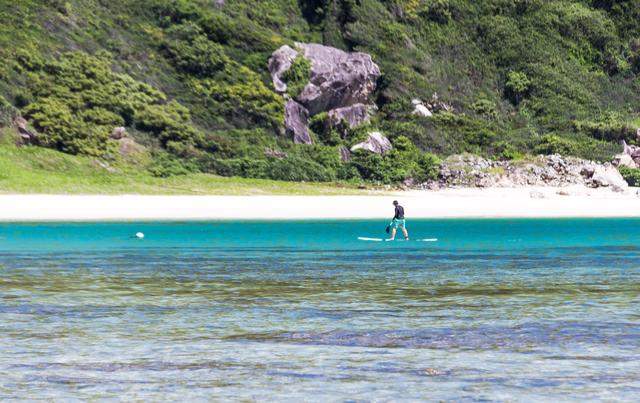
(361, 238)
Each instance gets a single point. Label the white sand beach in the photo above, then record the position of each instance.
(450, 203)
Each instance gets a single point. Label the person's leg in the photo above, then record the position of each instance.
(393, 234)
(405, 232)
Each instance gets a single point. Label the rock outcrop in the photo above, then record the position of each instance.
(296, 120)
(340, 83)
(420, 109)
(630, 156)
(27, 136)
(552, 170)
(353, 115)
(376, 143)
(118, 133)
(345, 154)
(279, 62)
(603, 176)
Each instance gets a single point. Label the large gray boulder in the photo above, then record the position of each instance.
(279, 62)
(27, 136)
(605, 175)
(340, 82)
(630, 156)
(376, 143)
(353, 115)
(337, 78)
(420, 109)
(296, 119)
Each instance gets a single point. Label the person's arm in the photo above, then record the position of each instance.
(395, 215)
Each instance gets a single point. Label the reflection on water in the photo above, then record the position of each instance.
(200, 317)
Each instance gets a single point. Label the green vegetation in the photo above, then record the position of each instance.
(188, 80)
(297, 76)
(631, 175)
(41, 170)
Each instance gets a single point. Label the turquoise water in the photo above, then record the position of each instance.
(496, 309)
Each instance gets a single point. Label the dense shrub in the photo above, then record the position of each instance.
(519, 77)
(403, 162)
(63, 130)
(7, 112)
(297, 76)
(76, 101)
(517, 86)
(164, 165)
(438, 11)
(631, 175)
(192, 52)
(289, 169)
(610, 127)
(242, 98)
(554, 144)
(169, 122)
(485, 108)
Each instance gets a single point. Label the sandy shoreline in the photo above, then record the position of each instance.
(450, 203)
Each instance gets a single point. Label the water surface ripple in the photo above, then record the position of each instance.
(495, 310)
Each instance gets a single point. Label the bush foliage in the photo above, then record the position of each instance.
(631, 175)
(189, 79)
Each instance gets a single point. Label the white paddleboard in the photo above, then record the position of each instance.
(361, 238)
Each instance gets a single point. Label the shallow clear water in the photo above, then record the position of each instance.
(496, 309)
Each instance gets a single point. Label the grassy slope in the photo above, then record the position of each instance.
(40, 170)
(582, 58)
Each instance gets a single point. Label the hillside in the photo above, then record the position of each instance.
(189, 82)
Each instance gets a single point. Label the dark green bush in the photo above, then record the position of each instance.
(439, 11)
(517, 86)
(7, 112)
(485, 108)
(297, 76)
(553, 144)
(192, 52)
(403, 162)
(242, 98)
(164, 165)
(631, 175)
(289, 169)
(62, 130)
(609, 127)
(76, 101)
(169, 122)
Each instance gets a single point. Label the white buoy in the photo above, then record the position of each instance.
(139, 235)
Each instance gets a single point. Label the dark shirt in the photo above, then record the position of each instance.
(399, 213)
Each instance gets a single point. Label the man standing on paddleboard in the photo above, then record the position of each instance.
(398, 222)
